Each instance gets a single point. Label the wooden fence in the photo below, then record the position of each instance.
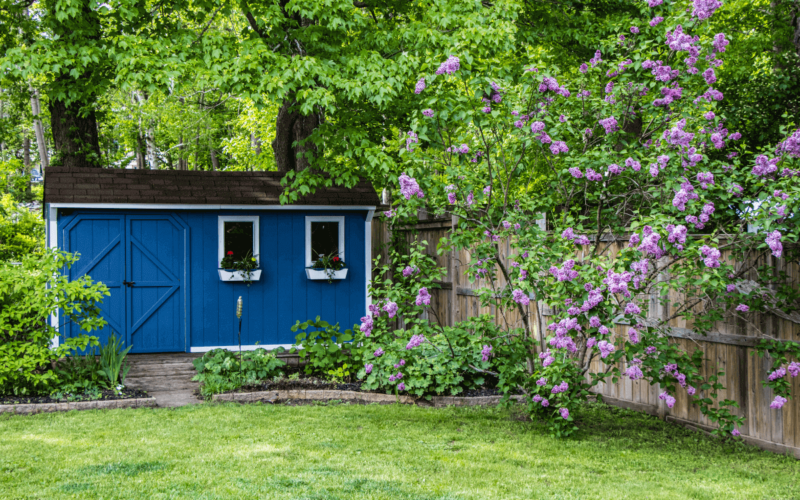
(729, 348)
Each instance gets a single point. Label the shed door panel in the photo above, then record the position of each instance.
(155, 264)
(99, 239)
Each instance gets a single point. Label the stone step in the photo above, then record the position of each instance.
(164, 370)
(160, 383)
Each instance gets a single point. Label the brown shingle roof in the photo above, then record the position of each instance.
(96, 185)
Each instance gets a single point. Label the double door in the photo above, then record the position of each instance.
(142, 259)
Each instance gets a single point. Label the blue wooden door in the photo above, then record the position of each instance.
(155, 263)
(100, 241)
(141, 259)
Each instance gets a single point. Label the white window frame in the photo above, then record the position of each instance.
(324, 218)
(222, 219)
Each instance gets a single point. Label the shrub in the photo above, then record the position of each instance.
(29, 293)
(21, 231)
(221, 370)
(320, 346)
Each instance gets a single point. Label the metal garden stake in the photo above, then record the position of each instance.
(239, 315)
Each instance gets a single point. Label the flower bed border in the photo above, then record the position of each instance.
(108, 404)
(367, 397)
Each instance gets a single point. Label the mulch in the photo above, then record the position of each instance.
(310, 382)
(104, 396)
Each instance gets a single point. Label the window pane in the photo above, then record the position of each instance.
(239, 239)
(324, 239)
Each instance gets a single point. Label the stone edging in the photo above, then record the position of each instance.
(31, 408)
(367, 397)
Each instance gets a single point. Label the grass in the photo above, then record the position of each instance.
(373, 452)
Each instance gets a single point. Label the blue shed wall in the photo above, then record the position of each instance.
(284, 294)
(281, 297)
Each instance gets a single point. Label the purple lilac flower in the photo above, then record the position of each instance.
(408, 186)
(420, 86)
(634, 30)
(650, 349)
(777, 403)
(486, 352)
(633, 335)
(690, 390)
(591, 342)
(401, 386)
(409, 270)
(631, 308)
(411, 140)
(427, 112)
(378, 353)
(537, 398)
(666, 397)
(559, 147)
(564, 413)
(605, 348)
(366, 326)
(603, 330)
(520, 297)
(774, 242)
(719, 42)
(541, 381)
(735, 432)
(656, 21)
(742, 308)
(703, 9)
(415, 341)
(368, 368)
(423, 297)
(633, 164)
(779, 373)
(609, 124)
(634, 372)
(545, 403)
(711, 255)
(391, 308)
(575, 172)
(450, 66)
(709, 76)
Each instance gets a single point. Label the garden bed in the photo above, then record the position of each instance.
(129, 398)
(296, 396)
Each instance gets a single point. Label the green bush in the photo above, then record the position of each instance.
(29, 293)
(318, 344)
(21, 231)
(448, 362)
(220, 370)
(78, 375)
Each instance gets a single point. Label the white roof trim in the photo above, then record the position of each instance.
(180, 206)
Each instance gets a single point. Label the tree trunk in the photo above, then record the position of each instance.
(151, 149)
(38, 130)
(214, 160)
(256, 143)
(75, 133)
(140, 147)
(26, 153)
(291, 131)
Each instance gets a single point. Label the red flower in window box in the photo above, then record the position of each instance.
(230, 252)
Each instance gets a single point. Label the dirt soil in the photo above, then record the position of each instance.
(104, 396)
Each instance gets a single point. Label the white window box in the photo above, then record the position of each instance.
(321, 274)
(225, 275)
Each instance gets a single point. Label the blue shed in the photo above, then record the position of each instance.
(156, 239)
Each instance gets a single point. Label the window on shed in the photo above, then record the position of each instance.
(239, 239)
(238, 234)
(324, 236)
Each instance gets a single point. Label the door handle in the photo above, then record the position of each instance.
(129, 283)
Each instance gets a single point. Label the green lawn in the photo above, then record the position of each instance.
(355, 452)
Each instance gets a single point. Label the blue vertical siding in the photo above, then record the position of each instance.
(271, 305)
(283, 295)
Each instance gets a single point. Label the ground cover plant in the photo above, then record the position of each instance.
(220, 370)
(374, 452)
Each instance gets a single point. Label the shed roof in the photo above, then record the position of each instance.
(174, 187)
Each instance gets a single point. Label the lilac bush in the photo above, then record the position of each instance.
(630, 149)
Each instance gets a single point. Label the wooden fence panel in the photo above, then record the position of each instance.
(728, 348)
